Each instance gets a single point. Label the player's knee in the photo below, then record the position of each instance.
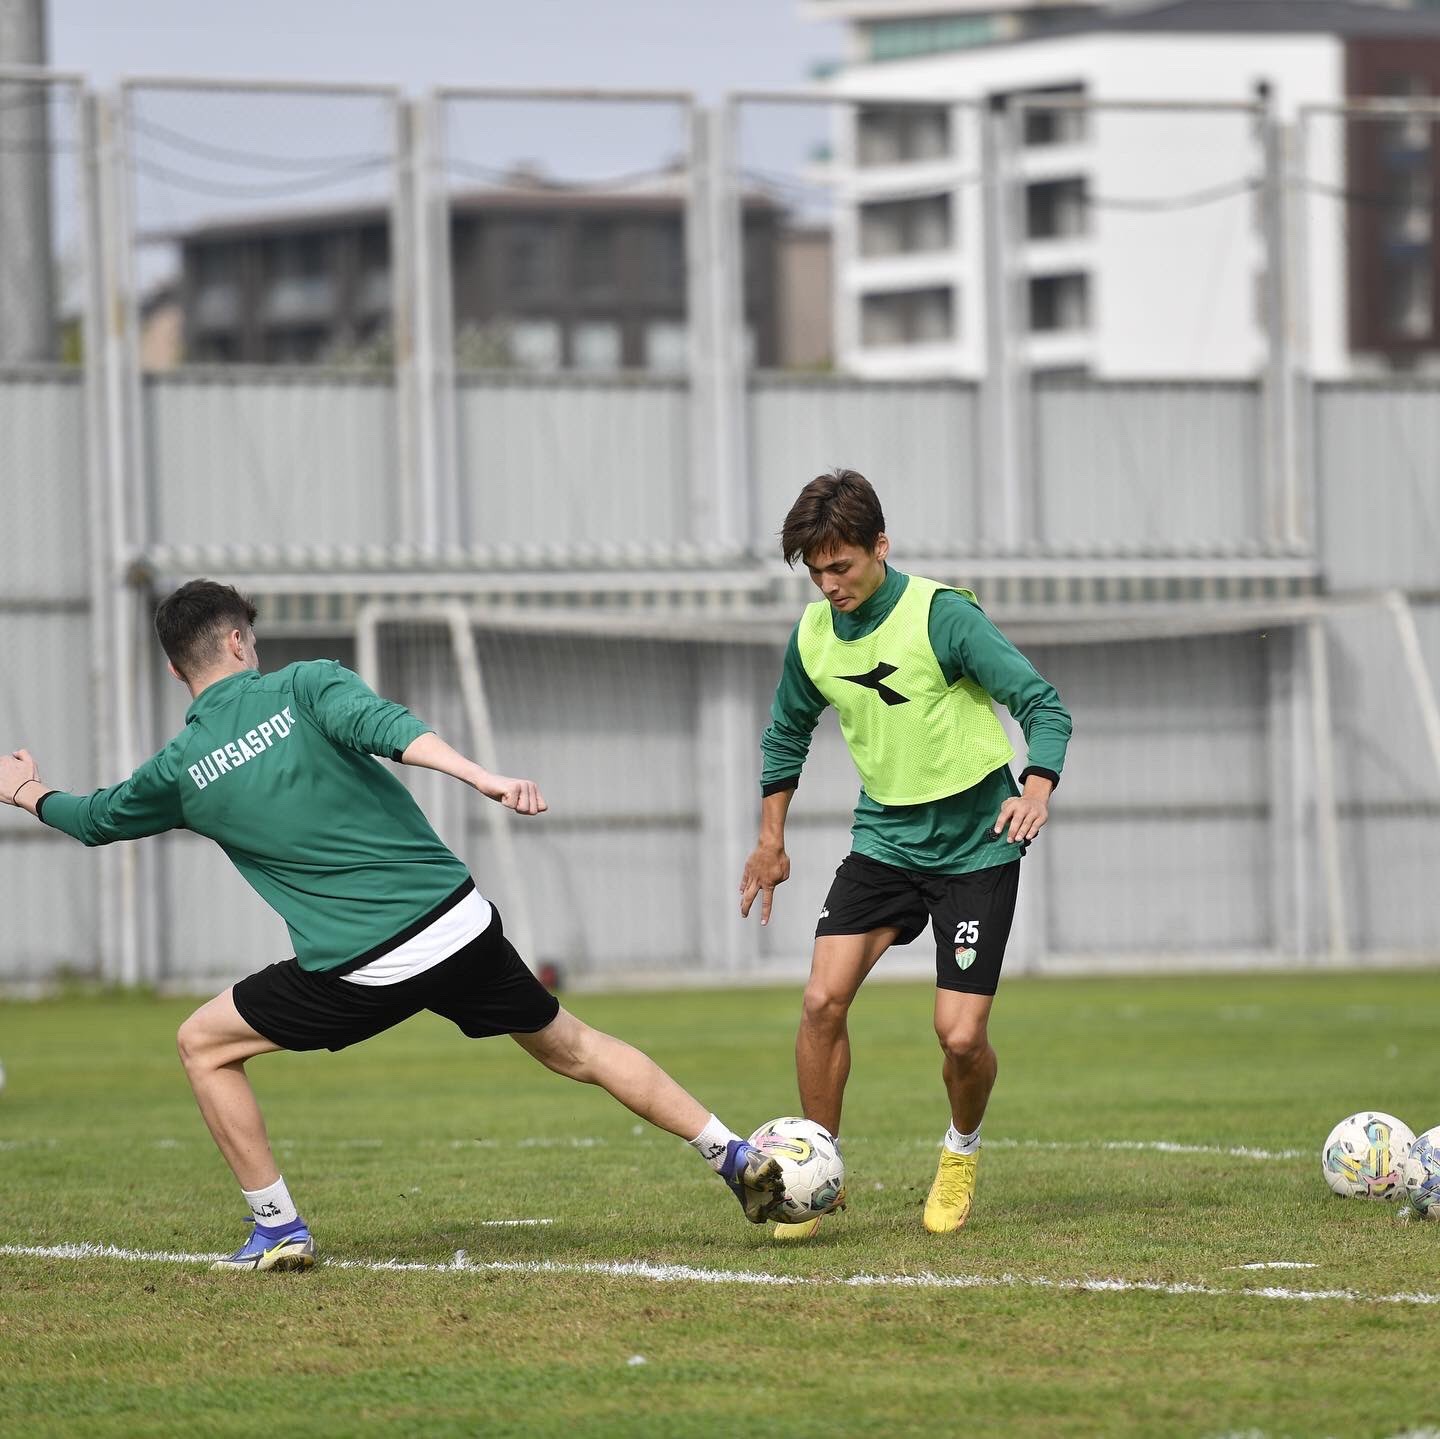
(190, 1041)
(964, 1045)
(824, 1007)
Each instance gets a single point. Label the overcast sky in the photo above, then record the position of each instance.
(701, 45)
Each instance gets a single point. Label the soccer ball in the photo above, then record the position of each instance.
(810, 1161)
(1421, 1174)
(1362, 1157)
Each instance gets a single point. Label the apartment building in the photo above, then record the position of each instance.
(544, 277)
(1134, 242)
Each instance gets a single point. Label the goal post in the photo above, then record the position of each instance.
(446, 627)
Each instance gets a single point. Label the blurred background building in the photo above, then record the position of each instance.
(1101, 286)
(547, 276)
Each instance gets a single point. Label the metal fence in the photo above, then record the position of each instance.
(395, 358)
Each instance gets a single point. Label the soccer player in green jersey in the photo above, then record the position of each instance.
(277, 769)
(911, 668)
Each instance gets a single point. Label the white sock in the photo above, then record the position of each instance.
(958, 1143)
(272, 1206)
(713, 1142)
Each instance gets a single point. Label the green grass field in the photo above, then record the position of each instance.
(402, 1149)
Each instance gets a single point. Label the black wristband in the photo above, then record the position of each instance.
(15, 798)
(1043, 773)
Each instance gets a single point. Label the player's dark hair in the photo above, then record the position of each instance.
(192, 623)
(833, 510)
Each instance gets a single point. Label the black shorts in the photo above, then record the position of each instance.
(969, 913)
(485, 989)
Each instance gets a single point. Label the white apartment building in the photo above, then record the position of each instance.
(1134, 242)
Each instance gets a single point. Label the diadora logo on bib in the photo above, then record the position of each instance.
(875, 680)
(967, 936)
(250, 745)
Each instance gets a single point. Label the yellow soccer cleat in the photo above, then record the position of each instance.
(792, 1233)
(953, 1192)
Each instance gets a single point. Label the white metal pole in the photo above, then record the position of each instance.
(114, 232)
(730, 481)
(103, 678)
(1001, 450)
(1278, 397)
(517, 896)
(435, 314)
(1327, 820)
(418, 519)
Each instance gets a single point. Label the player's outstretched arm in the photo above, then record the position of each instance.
(20, 782)
(429, 751)
(768, 864)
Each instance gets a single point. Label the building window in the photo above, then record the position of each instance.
(1409, 296)
(530, 258)
(595, 345)
(1060, 125)
(595, 268)
(1410, 209)
(300, 285)
(217, 305)
(534, 344)
(666, 269)
(928, 35)
(667, 346)
(1056, 209)
(1059, 302)
(900, 135)
(905, 227)
(907, 317)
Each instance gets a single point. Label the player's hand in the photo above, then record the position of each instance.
(15, 768)
(521, 795)
(1026, 815)
(765, 868)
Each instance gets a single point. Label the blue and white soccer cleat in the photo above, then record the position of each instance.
(291, 1249)
(755, 1179)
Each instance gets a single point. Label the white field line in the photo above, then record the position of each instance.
(595, 1141)
(1155, 1146)
(686, 1274)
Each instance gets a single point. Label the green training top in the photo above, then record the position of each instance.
(952, 835)
(277, 770)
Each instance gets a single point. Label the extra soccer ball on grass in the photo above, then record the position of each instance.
(810, 1161)
(1362, 1157)
(1421, 1175)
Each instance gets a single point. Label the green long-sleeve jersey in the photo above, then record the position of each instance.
(277, 769)
(953, 835)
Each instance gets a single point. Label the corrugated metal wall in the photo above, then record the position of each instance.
(1164, 841)
(1377, 464)
(45, 666)
(271, 459)
(587, 463)
(917, 441)
(1158, 466)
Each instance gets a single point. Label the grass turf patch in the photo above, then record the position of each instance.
(402, 1148)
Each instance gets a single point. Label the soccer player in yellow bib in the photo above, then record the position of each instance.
(912, 669)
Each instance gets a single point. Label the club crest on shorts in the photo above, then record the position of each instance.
(964, 958)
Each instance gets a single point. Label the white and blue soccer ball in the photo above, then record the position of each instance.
(809, 1158)
(1420, 1174)
(1362, 1157)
